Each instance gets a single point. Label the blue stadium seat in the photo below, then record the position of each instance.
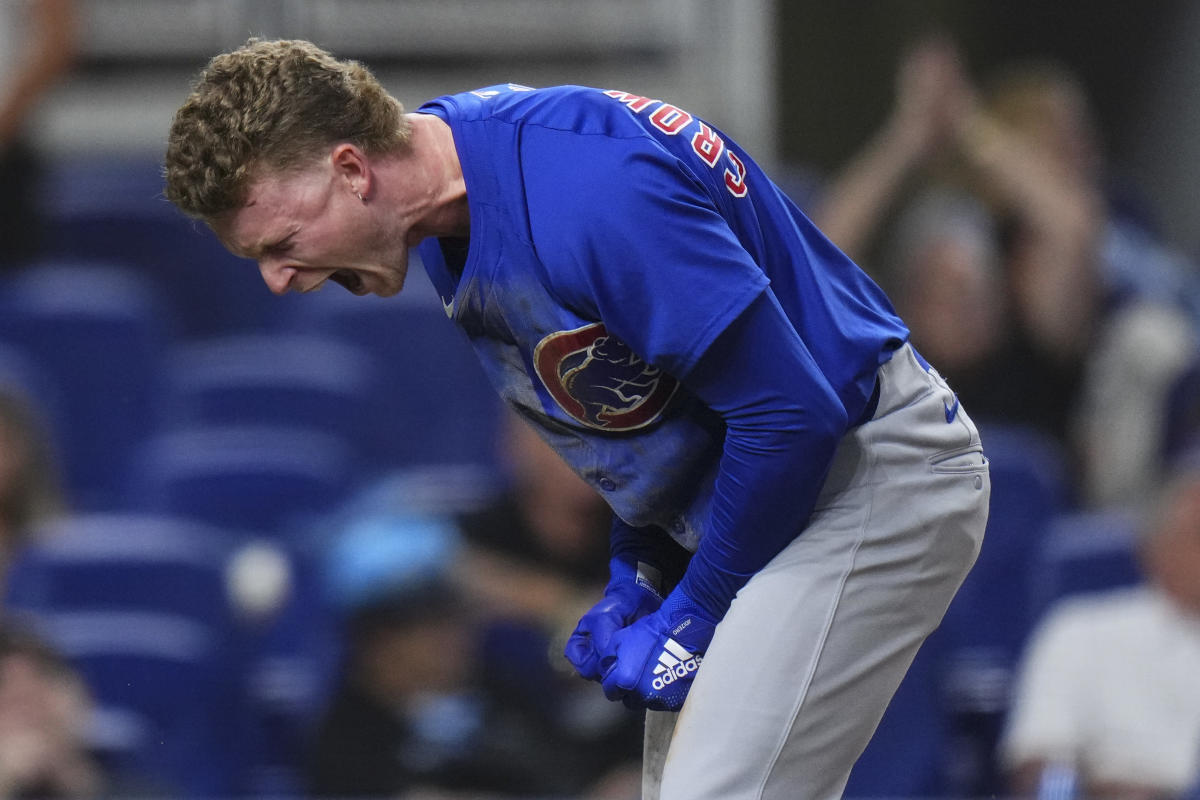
(113, 209)
(296, 660)
(20, 375)
(1085, 551)
(97, 333)
(1181, 428)
(300, 380)
(272, 480)
(436, 406)
(906, 756)
(121, 560)
(139, 604)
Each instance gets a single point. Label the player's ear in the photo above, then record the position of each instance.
(351, 165)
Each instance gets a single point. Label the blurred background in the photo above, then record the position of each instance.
(292, 547)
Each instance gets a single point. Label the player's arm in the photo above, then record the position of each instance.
(635, 239)
(783, 426)
(783, 422)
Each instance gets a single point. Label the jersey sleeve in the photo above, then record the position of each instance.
(629, 236)
(783, 424)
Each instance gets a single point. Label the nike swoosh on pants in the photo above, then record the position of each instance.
(951, 411)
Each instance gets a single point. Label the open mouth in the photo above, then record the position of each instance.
(351, 280)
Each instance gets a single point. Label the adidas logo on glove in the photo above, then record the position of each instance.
(674, 662)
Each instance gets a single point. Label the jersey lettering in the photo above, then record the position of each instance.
(706, 143)
(635, 101)
(670, 119)
(736, 182)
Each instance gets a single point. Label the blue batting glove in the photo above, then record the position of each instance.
(632, 593)
(651, 663)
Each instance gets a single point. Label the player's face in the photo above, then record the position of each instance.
(308, 227)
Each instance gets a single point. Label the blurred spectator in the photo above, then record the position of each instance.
(539, 550)
(1133, 388)
(1109, 311)
(945, 264)
(29, 489)
(416, 709)
(1107, 690)
(1043, 300)
(932, 96)
(1046, 104)
(408, 714)
(1029, 307)
(44, 715)
(534, 560)
(1049, 217)
(37, 47)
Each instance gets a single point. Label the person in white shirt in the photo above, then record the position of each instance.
(1109, 688)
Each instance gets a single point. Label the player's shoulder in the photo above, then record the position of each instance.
(581, 109)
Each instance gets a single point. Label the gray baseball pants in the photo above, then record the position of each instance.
(814, 646)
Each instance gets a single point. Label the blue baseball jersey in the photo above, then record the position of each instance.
(613, 239)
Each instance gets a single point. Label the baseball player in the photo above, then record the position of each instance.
(797, 495)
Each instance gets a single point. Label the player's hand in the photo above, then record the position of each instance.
(651, 663)
(632, 593)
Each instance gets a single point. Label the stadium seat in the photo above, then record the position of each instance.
(300, 380)
(125, 560)
(436, 406)
(270, 480)
(113, 209)
(1084, 551)
(139, 604)
(96, 332)
(1181, 428)
(906, 756)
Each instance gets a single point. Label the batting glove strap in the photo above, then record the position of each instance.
(651, 663)
(633, 591)
(649, 545)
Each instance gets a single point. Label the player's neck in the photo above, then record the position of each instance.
(432, 163)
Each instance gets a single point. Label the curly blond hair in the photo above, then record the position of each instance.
(272, 105)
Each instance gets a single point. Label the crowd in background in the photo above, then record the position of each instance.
(402, 635)
(1032, 276)
(1026, 268)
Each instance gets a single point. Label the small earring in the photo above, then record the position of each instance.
(360, 197)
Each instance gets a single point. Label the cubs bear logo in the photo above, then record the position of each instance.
(599, 381)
